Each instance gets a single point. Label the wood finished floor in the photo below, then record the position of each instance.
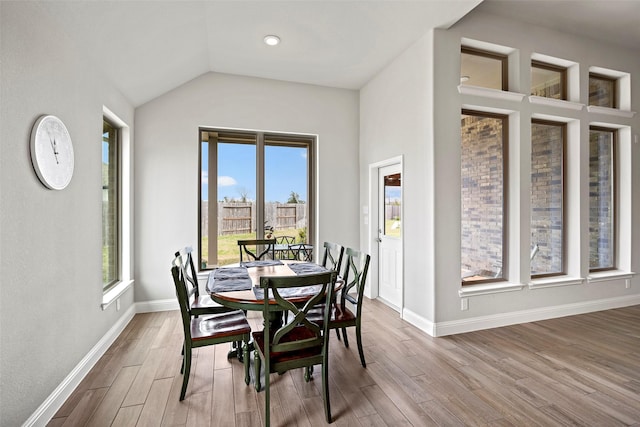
(580, 370)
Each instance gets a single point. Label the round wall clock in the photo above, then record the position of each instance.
(52, 152)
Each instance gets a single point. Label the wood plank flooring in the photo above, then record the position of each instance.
(580, 370)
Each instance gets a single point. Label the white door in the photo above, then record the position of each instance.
(390, 235)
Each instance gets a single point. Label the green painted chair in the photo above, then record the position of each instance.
(354, 276)
(199, 304)
(332, 256)
(207, 330)
(298, 343)
(250, 249)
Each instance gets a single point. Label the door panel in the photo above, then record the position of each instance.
(390, 235)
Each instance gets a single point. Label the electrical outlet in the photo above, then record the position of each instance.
(118, 304)
(627, 283)
(464, 304)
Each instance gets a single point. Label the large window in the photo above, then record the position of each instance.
(602, 91)
(483, 69)
(602, 200)
(110, 205)
(549, 81)
(547, 198)
(484, 189)
(253, 185)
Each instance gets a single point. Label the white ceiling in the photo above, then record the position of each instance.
(150, 47)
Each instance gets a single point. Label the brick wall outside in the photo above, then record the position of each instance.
(601, 231)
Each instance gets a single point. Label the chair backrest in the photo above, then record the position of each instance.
(189, 272)
(299, 332)
(245, 245)
(332, 258)
(354, 276)
(285, 240)
(177, 271)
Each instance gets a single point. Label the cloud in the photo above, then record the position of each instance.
(205, 176)
(226, 181)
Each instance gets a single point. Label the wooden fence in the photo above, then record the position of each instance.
(240, 218)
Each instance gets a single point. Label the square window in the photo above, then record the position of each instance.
(602, 91)
(483, 69)
(548, 81)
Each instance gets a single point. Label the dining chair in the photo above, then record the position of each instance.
(207, 330)
(246, 248)
(285, 251)
(332, 256)
(199, 304)
(352, 291)
(299, 343)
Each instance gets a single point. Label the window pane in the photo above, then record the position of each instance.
(601, 200)
(480, 69)
(483, 197)
(547, 81)
(110, 209)
(547, 227)
(602, 91)
(392, 206)
(261, 184)
(286, 183)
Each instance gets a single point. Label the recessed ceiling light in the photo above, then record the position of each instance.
(271, 40)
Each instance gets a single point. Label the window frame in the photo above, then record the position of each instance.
(504, 61)
(614, 199)
(614, 89)
(505, 196)
(117, 232)
(552, 67)
(262, 140)
(563, 126)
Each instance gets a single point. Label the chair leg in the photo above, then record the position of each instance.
(256, 366)
(338, 333)
(360, 350)
(325, 389)
(186, 371)
(245, 353)
(344, 335)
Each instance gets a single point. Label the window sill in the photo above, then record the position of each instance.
(487, 289)
(560, 103)
(553, 282)
(114, 293)
(604, 276)
(490, 93)
(611, 111)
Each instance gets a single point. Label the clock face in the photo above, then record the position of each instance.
(52, 152)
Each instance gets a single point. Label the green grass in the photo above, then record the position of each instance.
(228, 244)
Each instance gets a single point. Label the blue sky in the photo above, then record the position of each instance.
(285, 171)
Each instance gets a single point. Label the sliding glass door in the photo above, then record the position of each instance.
(261, 184)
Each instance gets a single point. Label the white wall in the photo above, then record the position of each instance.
(395, 119)
(166, 165)
(51, 246)
(422, 105)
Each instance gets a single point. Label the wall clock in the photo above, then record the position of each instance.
(52, 152)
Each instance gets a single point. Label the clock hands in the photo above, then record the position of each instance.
(54, 146)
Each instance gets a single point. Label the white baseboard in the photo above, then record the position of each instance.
(441, 329)
(157, 305)
(54, 402)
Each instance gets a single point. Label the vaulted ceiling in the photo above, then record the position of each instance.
(150, 47)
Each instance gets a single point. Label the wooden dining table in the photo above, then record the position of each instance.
(238, 286)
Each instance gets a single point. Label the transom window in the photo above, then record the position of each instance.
(253, 185)
(484, 190)
(547, 198)
(549, 81)
(483, 69)
(602, 91)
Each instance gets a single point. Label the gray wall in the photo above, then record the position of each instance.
(166, 165)
(51, 245)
